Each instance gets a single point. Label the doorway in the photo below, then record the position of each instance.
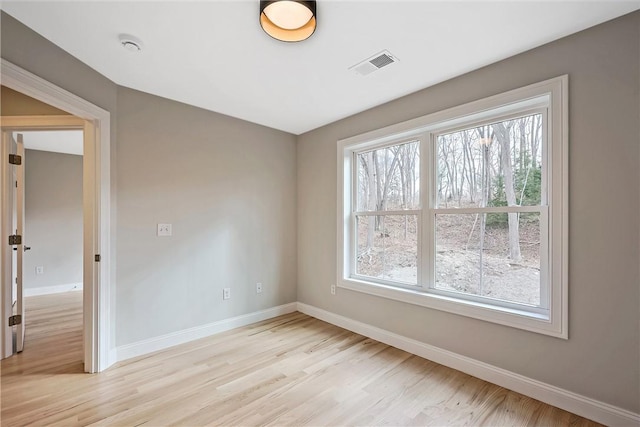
(52, 237)
(63, 203)
(53, 211)
(94, 124)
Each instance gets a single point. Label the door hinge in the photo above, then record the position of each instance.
(15, 159)
(15, 239)
(15, 320)
(97, 257)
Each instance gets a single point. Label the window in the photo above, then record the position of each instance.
(463, 210)
(386, 214)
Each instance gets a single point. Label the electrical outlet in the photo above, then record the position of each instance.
(164, 230)
(226, 293)
(258, 288)
(333, 289)
(40, 270)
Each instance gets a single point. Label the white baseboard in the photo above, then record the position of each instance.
(169, 340)
(558, 397)
(46, 290)
(112, 358)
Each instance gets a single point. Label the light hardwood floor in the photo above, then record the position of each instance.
(292, 370)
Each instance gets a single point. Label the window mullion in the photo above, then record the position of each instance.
(547, 159)
(353, 220)
(426, 221)
(383, 213)
(433, 195)
(490, 209)
(545, 276)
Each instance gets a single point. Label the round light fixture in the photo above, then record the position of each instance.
(131, 43)
(288, 20)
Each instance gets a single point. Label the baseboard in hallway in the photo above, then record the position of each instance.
(48, 290)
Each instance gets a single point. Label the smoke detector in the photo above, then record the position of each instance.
(374, 63)
(131, 43)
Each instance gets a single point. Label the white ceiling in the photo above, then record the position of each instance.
(58, 141)
(214, 55)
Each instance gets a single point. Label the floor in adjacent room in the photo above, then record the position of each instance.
(292, 370)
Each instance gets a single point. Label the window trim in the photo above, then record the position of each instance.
(551, 95)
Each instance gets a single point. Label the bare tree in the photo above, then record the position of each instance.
(371, 199)
(502, 132)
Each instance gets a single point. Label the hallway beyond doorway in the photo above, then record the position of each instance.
(53, 342)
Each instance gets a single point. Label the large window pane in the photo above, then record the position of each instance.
(389, 178)
(387, 247)
(493, 255)
(497, 164)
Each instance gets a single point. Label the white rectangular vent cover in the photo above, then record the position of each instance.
(374, 63)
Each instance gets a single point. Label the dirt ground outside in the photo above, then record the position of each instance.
(461, 265)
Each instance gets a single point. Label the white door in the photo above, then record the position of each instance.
(21, 248)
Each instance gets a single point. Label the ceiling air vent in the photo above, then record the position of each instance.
(377, 61)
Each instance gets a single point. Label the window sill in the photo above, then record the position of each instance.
(519, 319)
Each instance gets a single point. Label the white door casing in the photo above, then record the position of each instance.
(95, 122)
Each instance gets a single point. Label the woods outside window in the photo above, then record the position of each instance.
(463, 210)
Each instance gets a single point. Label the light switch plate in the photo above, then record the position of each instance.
(164, 230)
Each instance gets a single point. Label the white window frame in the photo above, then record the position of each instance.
(550, 98)
(355, 214)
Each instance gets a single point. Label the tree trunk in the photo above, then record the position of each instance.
(535, 129)
(502, 133)
(371, 202)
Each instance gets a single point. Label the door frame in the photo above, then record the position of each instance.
(99, 351)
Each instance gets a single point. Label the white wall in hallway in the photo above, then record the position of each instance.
(53, 214)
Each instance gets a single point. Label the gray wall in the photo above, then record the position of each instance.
(53, 215)
(228, 187)
(29, 50)
(600, 360)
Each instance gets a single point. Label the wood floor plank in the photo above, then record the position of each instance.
(289, 371)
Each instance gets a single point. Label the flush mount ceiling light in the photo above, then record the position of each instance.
(287, 20)
(131, 43)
